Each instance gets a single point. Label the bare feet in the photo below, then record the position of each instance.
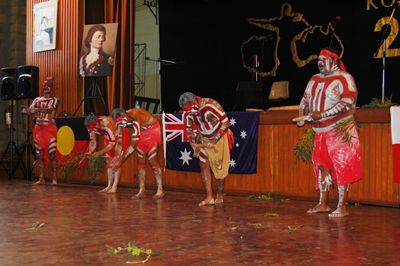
(207, 201)
(140, 195)
(41, 181)
(54, 182)
(319, 208)
(105, 189)
(158, 195)
(338, 213)
(219, 199)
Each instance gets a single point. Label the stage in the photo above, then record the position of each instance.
(76, 223)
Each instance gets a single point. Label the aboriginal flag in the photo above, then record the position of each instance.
(72, 138)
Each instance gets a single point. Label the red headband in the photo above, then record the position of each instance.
(93, 124)
(326, 52)
(191, 105)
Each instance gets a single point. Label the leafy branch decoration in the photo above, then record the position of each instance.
(96, 164)
(343, 128)
(377, 103)
(304, 147)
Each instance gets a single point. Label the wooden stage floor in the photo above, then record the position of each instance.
(79, 222)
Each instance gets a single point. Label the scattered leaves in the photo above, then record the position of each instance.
(266, 196)
(271, 214)
(291, 229)
(133, 251)
(258, 224)
(260, 197)
(36, 226)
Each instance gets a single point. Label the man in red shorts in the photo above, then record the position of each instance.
(146, 141)
(329, 102)
(45, 129)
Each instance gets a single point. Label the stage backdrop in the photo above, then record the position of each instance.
(215, 43)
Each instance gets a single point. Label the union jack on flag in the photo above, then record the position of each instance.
(178, 153)
(174, 126)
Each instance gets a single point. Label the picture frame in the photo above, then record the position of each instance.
(45, 26)
(97, 50)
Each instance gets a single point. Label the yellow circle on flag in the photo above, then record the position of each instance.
(65, 140)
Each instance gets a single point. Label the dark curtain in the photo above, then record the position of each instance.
(120, 85)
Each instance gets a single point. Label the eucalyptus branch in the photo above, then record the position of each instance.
(304, 147)
(343, 128)
(132, 250)
(96, 163)
(293, 229)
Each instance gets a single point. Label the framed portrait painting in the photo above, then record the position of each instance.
(97, 50)
(45, 26)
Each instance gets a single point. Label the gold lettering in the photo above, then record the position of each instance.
(371, 3)
(394, 31)
(385, 5)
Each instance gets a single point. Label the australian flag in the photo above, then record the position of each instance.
(179, 154)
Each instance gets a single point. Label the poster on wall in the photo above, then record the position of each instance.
(97, 50)
(45, 26)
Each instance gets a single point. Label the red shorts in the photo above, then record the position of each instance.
(43, 135)
(344, 159)
(149, 138)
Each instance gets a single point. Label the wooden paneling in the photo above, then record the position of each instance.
(61, 63)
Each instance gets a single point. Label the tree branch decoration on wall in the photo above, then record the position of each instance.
(45, 26)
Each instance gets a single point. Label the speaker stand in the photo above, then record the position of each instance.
(28, 150)
(11, 150)
(93, 93)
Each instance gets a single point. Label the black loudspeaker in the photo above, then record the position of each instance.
(8, 82)
(249, 94)
(27, 82)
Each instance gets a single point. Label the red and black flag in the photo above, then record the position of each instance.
(72, 138)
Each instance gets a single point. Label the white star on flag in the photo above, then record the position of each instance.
(243, 157)
(185, 157)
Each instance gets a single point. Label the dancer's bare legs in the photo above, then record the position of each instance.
(324, 183)
(220, 191)
(142, 179)
(40, 164)
(114, 187)
(153, 161)
(341, 210)
(52, 154)
(110, 180)
(206, 177)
